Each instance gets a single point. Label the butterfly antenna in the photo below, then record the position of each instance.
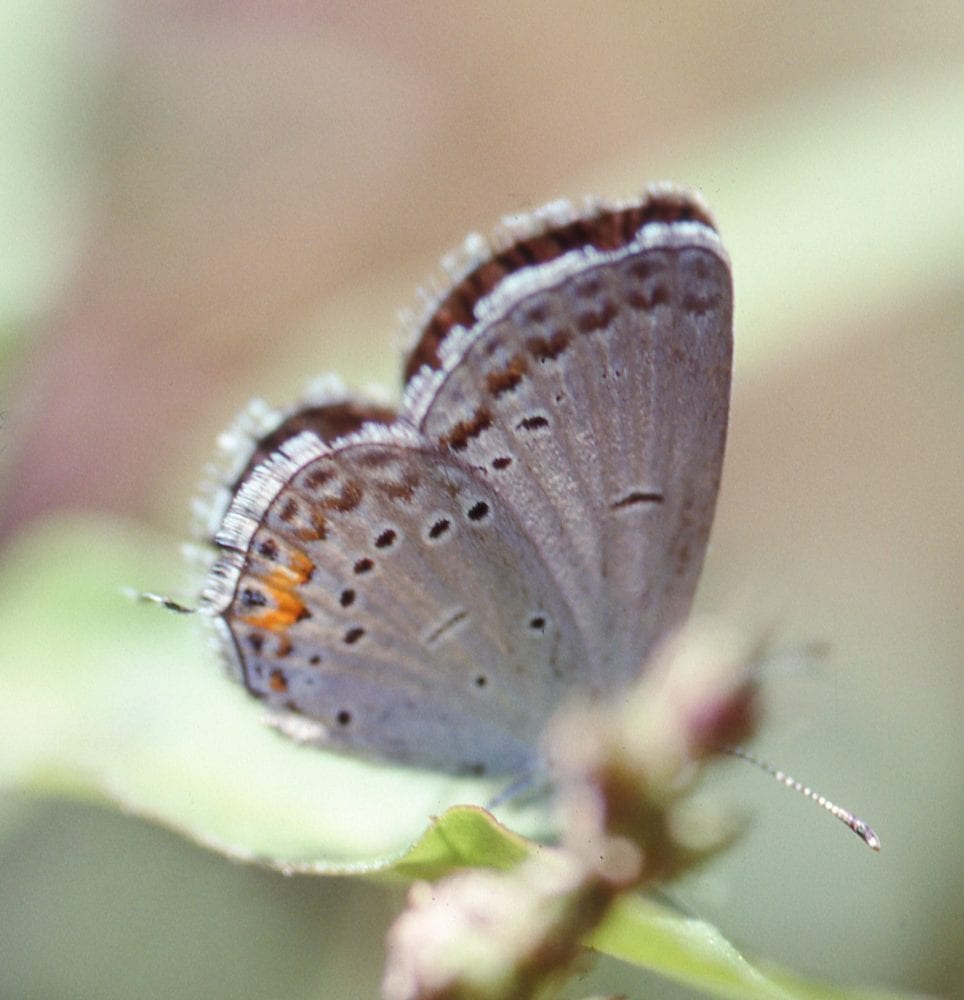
(165, 602)
(856, 824)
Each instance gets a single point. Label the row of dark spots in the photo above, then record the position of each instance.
(385, 540)
(254, 598)
(598, 316)
(347, 597)
(477, 512)
(542, 349)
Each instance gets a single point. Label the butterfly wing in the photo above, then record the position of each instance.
(382, 590)
(591, 395)
(428, 590)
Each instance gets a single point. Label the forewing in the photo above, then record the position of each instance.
(591, 394)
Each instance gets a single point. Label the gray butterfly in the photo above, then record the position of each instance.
(427, 585)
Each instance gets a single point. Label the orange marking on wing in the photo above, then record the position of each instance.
(301, 565)
(288, 609)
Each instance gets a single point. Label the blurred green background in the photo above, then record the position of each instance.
(202, 202)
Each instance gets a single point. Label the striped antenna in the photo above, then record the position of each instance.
(165, 602)
(856, 824)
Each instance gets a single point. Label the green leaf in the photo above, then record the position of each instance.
(644, 933)
(101, 696)
(464, 836)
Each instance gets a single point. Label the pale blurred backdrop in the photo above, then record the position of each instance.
(205, 201)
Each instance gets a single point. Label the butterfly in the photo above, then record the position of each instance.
(427, 584)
